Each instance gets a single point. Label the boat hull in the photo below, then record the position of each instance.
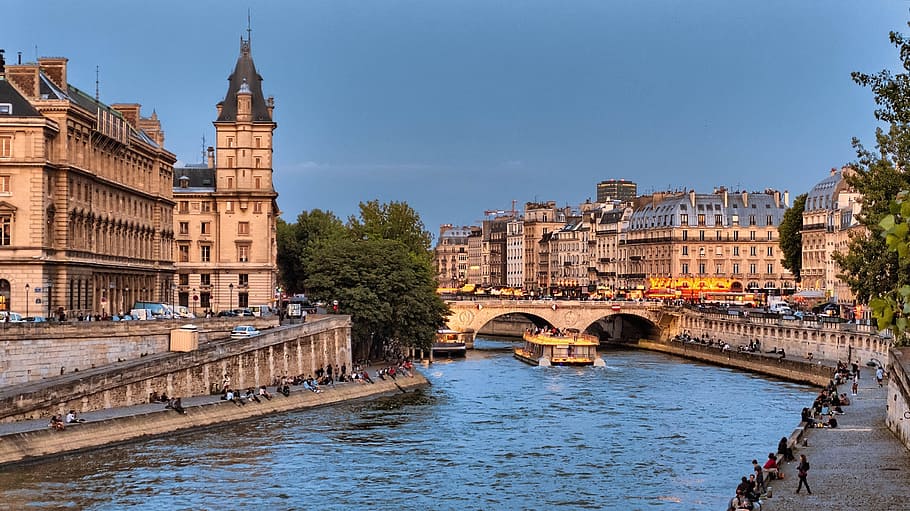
(450, 350)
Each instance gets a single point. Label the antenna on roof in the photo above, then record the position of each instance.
(203, 147)
(97, 89)
(249, 29)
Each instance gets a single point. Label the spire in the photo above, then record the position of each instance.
(245, 79)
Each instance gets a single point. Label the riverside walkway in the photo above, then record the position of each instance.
(858, 465)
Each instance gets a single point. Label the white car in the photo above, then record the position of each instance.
(241, 331)
(11, 317)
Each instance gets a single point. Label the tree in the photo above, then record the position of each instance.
(791, 238)
(392, 221)
(868, 267)
(297, 241)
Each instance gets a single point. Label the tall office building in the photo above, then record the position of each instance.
(616, 189)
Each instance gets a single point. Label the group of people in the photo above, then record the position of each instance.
(753, 487)
(241, 398)
(59, 423)
(754, 345)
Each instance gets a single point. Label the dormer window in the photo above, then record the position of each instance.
(184, 182)
(6, 109)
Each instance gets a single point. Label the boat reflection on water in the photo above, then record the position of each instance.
(569, 348)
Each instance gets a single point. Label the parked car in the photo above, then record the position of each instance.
(227, 314)
(35, 319)
(11, 317)
(242, 331)
(243, 312)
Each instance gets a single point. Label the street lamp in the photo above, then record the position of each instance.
(26, 300)
(195, 298)
(126, 291)
(231, 296)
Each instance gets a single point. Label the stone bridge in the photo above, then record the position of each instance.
(609, 320)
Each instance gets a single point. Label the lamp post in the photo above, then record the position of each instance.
(231, 296)
(26, 299)
(126, 291)
(195, 297)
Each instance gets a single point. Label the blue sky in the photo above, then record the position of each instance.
(462, 106)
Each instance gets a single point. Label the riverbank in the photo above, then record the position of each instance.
(860, 464)
(33, 439)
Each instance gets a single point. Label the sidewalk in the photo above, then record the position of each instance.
(858, 465)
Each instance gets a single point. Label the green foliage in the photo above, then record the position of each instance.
(791, 238)
(377, 267)
(891, 309)
(868, 267)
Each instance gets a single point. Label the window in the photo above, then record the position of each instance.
(257, 207)
(230, 141)
(183, 253)
(229, 207)
(685, 250)
(243, 253)
(752, 251)
(685, 268)
(183, 279)
(769, 220)
(230, 182)
(717, 219)
(752, 218)
(751, 235)
(735, 251)
(184, 227)
(257, 165)
(735, 268)
(206, 227)
(685, 235)
(718, 269)
(184, 207)
(6, 109)
(770, 268)
(206, 206)
(683, 219)
(205, 279)
(5, 187)
(243, 279)
(6, 147)
(735, 235)
(770, 251)
(258, 141)
(205, 300)
(243, 299)
(734, 220)
(243, 228)
(770, 235)
(717, 235)
(205, 253)
(701, 235)
(701, 268)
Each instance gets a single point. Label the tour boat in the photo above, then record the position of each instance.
(450, 343)
(571, 349)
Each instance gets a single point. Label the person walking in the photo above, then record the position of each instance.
(855, 383)
(802, 470)
(879, 375)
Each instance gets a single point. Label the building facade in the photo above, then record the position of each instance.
(86, 204)
(227, 210)
(616, 189)
(451, 256)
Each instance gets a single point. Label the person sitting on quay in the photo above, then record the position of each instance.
(740, 501)
(251, 395)
(56, 423)
(366, 376)
(806, 417)
(264, 393)
(772, 471)
(784, 449)
(844, 400)
(831, 423)
(72, 419)
(176, 404)
(285, 390)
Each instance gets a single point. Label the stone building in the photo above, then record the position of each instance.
(616, 189)
(85, 198)
(225, 220)
(685, 244)
(451, 256)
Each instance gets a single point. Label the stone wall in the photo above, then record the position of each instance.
(36, 351)
(898, 402)
(46, 442)
(832, 341)
(286, 350)
(792, 370)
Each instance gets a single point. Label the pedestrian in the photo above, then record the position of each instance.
(879, 375)
(802, 470)
(855, 387)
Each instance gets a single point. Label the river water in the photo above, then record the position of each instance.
(648, 432)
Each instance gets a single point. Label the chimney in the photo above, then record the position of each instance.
(776, 195)
(271, 105)
(25, 78)
(219, 106)
(152, 127)
(55, 69)
(130, 112)
(833, 171)
(443, 228)
(745, 199)
(211, 156)
(786, 198)
(692, 198)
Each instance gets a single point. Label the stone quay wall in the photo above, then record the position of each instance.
(792, 370)
(35, 351)
(18, 447)
(830, 341)
(251, 362)
(898, 401)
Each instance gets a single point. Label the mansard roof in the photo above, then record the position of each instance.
(19, 106)
(199, 177)
(245, 70)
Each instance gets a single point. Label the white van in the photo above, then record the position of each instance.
(261, 311)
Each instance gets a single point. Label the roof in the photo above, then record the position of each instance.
(244, 71)
(199, 178)
(823, 195)
(20, 107)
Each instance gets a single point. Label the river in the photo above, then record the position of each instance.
(648, 432)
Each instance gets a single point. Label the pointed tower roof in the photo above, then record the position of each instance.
(246, 77)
